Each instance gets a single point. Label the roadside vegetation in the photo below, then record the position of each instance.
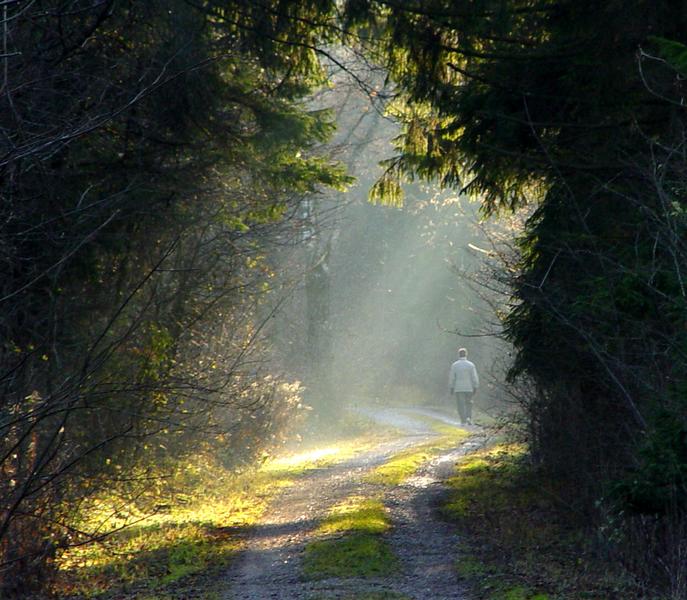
(198, 524)
(521, 541)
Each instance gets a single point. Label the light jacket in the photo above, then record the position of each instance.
(463, 376)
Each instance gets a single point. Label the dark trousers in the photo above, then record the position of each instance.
(464, 402)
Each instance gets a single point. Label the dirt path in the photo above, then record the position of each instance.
(270, 565)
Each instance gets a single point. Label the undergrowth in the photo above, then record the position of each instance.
(520, 542)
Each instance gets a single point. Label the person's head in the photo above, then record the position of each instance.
(462, 353)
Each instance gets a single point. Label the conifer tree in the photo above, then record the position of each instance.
(568, 107)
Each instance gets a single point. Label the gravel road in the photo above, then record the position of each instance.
(426, 546)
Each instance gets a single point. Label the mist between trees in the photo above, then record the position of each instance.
(376, 294)
(186, 259)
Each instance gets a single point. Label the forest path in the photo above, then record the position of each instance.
(270, 566)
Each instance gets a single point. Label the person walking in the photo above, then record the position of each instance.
(463, 382)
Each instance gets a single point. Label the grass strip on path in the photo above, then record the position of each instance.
(404, 464)
(353, 546)
(519, 543)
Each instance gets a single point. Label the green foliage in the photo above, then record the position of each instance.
(658, 486)
(546, 104)
(518, 539)
(387, 190)
(673, 52)
(153, 150)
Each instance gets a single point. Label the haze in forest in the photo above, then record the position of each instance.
(388, 293)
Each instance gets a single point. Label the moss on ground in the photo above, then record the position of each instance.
(355, 555)
(519, 542)
(353, 546)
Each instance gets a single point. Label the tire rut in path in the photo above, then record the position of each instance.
(270, 565)
(426, 545)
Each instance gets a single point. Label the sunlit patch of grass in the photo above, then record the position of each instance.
(303, 459)
(517, 539)
(521, 593)
(356, 514)
(406, 463)
(191, 533)
(353, 546)
(399, 468)
(453, 432)
(155, 553)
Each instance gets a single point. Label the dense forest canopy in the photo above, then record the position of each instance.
(147, 152)
(151, 152)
